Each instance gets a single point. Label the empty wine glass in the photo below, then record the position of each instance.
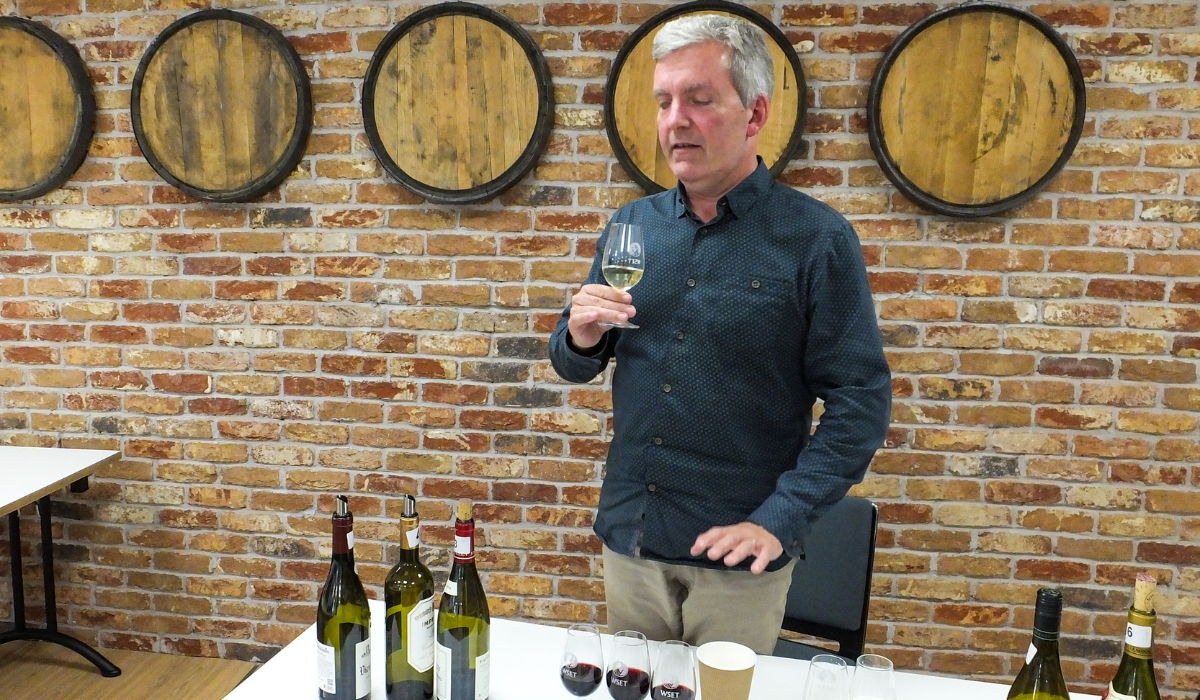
(628, 674)
(873, 679)
(582, 660)
(828, 678)
(624, 262)
(675, 672)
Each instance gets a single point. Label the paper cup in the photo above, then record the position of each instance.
(726, 670)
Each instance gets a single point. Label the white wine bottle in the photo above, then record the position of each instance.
(463, 624)
(408, 594)
(343, 620)
(1134, 679)
(1041, 677)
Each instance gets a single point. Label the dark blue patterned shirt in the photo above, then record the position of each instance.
(745, 322)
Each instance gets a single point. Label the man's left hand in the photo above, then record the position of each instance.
(736, 542)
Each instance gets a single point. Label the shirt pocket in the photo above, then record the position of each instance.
(753, 314)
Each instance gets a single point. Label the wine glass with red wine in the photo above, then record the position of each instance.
(675, 672)
(628, 674)
(582, 660)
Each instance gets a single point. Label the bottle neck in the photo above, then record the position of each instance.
(464, 542)
(1139, 634)
(343, 538)
(1045, 642)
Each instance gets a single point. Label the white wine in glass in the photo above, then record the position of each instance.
(624, 262)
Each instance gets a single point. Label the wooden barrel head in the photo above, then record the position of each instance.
(630, 110)
(457, 103)
(47, 110)
(975, 108)
(221, 106)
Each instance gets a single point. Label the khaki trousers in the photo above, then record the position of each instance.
(697, 605)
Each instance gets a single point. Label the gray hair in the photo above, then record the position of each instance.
(749, 63)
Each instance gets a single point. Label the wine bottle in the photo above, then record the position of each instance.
(408, 594)
(463, 623)
(1041, 677)
(1134, 679)
(343, 620)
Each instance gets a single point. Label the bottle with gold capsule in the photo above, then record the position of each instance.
(1134, 679)
(408, 595)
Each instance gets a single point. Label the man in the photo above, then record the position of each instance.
(754, 303)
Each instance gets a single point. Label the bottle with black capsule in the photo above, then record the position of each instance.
(1041, 677)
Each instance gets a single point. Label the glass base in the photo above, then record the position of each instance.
(610, 324)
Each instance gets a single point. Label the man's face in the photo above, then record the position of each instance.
(703, 128)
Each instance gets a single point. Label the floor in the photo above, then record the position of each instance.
(43, 671)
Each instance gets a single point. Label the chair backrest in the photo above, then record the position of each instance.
(831, 586)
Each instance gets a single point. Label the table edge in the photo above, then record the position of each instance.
(33, 497)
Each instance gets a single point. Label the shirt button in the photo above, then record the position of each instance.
(702, 230)
(691, 283)
(657, 441)
(756, 284)
(666, 388)
(651, 488)
(678, 335)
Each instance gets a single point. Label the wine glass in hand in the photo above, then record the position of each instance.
(629, 673)
(582, 660)
(675, 672)
(624, 262)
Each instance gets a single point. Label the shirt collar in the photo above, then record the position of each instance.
(740, 199)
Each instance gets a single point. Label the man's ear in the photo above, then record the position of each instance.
(758, 116)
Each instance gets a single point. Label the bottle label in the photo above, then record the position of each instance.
(441, 671)
(1114, 695)
(451, 588)
(1031, 653)
(362, 666)
(1139, 636)
(420, 636)
(414, 538)
(326, 668)
(483, 675)
(462, 546)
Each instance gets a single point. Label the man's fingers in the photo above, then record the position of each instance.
(725, 544)
(761, 560)
(584, 301)
(739, 552)
(603, 291)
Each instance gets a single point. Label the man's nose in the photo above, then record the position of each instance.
(674, 116)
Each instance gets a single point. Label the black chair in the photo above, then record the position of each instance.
(831, 586)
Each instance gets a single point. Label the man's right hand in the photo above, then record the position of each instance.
(592, 304)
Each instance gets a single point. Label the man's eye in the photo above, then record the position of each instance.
(702, 103)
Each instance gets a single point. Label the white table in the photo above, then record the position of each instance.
(525, 664)
(29, 475)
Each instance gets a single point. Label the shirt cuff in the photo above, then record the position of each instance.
(592, 353)
(787, 530)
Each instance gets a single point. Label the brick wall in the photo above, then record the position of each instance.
(341, 335)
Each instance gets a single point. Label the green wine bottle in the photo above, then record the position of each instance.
(463, 623)
(1041, 677)
(343, 620)
(1134, 679)
(408, 593)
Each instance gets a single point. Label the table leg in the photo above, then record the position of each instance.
(14, 561)
(51, 633)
